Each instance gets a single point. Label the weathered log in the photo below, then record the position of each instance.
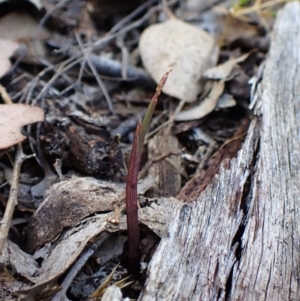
(241, 239)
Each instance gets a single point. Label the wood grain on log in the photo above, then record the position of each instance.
(168, 170)
(241, 239)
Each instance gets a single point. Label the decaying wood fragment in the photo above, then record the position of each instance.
(168, 170)
(94, 154)
(240, 239)
(192, 189)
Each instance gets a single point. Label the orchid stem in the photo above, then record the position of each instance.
(132, 181)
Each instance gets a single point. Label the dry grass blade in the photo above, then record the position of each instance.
(256, 8)
(101, 289)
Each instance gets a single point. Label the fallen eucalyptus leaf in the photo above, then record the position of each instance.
(206, 106)
(232, 28)
(12, 118)
(179, 45)
(223, 71)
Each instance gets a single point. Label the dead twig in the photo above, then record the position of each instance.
(132, 15)
(68, 64)
(144, 171)
(86, 54)
(61, 295)
(125, 55)
(13, 194)
(119, 30)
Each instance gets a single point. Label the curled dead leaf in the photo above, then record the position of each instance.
(206, 106)
(223, 71)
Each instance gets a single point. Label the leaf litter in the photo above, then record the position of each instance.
(188, 50)
(7, 48)
(13, 117)
(82, 73)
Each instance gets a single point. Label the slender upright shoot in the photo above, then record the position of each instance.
(150, 110)
(132, 180)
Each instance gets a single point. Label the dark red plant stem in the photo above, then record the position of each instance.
(131, 205)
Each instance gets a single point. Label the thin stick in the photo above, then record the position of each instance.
(63, 67)
(129, 17)
(114, 33)
(61, 295)
(96, 74)
(13, 196)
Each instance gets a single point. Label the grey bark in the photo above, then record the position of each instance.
(241, 239)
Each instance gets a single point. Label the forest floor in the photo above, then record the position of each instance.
(92, 67)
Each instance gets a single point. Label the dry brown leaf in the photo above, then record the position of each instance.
(179, 45)
(206, 106)
(12, 118)
(223, 71)
(7, 48)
